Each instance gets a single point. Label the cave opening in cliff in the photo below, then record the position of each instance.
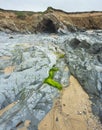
(48, 26)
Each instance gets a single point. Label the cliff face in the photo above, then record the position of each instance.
(48, 21)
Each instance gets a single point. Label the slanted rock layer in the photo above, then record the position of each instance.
(50, 21)
(23, 71)
(35, 68)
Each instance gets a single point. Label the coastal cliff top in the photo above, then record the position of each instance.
(27, 21)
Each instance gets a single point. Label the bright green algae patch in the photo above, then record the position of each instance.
(49, 80)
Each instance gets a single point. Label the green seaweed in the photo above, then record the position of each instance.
(52, 71)
(60, 55)
(49, 80)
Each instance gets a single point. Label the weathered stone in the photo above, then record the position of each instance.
(25, 84)
(31, 63)
(84, 62)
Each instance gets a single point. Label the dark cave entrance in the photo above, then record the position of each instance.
(47, 26)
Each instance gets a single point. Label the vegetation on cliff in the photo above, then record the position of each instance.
(32, 22)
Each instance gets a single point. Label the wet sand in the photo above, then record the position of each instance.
(72, 111)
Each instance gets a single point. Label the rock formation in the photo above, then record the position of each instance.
(34, 67)
(23, 70)
(48, 21)
(83, 57)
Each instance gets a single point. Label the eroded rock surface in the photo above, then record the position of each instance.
(23, 68)
(51, 21)
(83, 56)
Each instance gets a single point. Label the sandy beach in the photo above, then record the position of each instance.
(72, 111)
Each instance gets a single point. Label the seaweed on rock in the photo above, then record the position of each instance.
(49, 80)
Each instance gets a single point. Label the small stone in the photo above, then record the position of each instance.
(56, 118)
(79, 113)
